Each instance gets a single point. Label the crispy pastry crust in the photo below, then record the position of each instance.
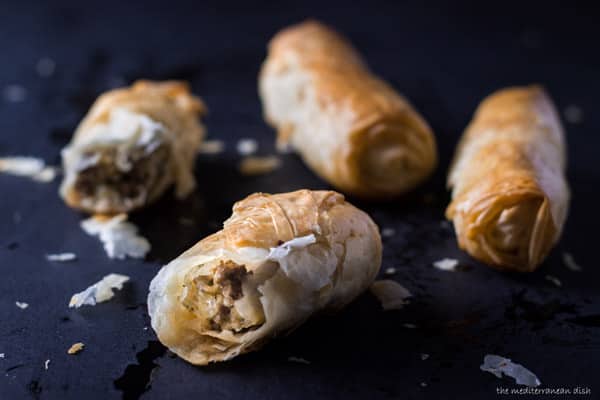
(203, 317)
(168, 104)
(509, 192)
(349, 126)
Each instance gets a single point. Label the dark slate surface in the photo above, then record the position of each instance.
(444, 57)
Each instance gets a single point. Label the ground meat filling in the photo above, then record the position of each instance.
(212, 298)
(229, 276)
(146, 169)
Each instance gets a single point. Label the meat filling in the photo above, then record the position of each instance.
(144, 169)
(213, 298)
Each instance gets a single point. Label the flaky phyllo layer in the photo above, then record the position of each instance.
(510, 196)
(278, 259)
(132, 145)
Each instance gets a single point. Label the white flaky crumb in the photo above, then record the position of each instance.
(424, 356)
(446, 264)
(119, 237)
(247, 147)
(498, 365)
(75, 348)
(573, 114)
(570, 263)
(61, 257)
(252, 165)
(30, 167)
(554, 280)
(2, 355)
(14, 93)
(409, 326)
(423, 384)
(100, 291)
(299, 360)
(390, 271)
(45, 67)
(21, 305)
(46, 364)
(388, 232)
(391, 294)
(212, 147)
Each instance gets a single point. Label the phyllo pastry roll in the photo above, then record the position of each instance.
(349, 126)
(278, 260)
(132, 145)
(509, 192)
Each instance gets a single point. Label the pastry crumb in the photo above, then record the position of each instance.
(573, 114)
(247, 147)
(45, 67)
(14, 93)
(46, 364)
(252, 165)
(21, 305)
(75, 348)
(30, 167)
(390, 294)
(424, 356)
(2, 355)
(212, 147)
(446, 264)
(186, 222)
(61, 257)
(99, 292)
(120, 237)
(554, 280)
(299, 360)
(498, 365)
(388, 232)
(390, 271)
(570, 263)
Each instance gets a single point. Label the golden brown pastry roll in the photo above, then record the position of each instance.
(349, 126)
(278, 260)
(132, 145)
(509, 192)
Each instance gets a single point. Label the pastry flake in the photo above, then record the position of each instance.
(391, 294)
(31, 167)
(120, 237)
(99, 292)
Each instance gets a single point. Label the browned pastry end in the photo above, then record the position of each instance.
(509, 192)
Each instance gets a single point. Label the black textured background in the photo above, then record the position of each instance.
(444, 56)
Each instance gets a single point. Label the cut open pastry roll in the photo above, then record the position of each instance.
(509, 192)
(132, 145)
(349, 126)
(278, 260)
